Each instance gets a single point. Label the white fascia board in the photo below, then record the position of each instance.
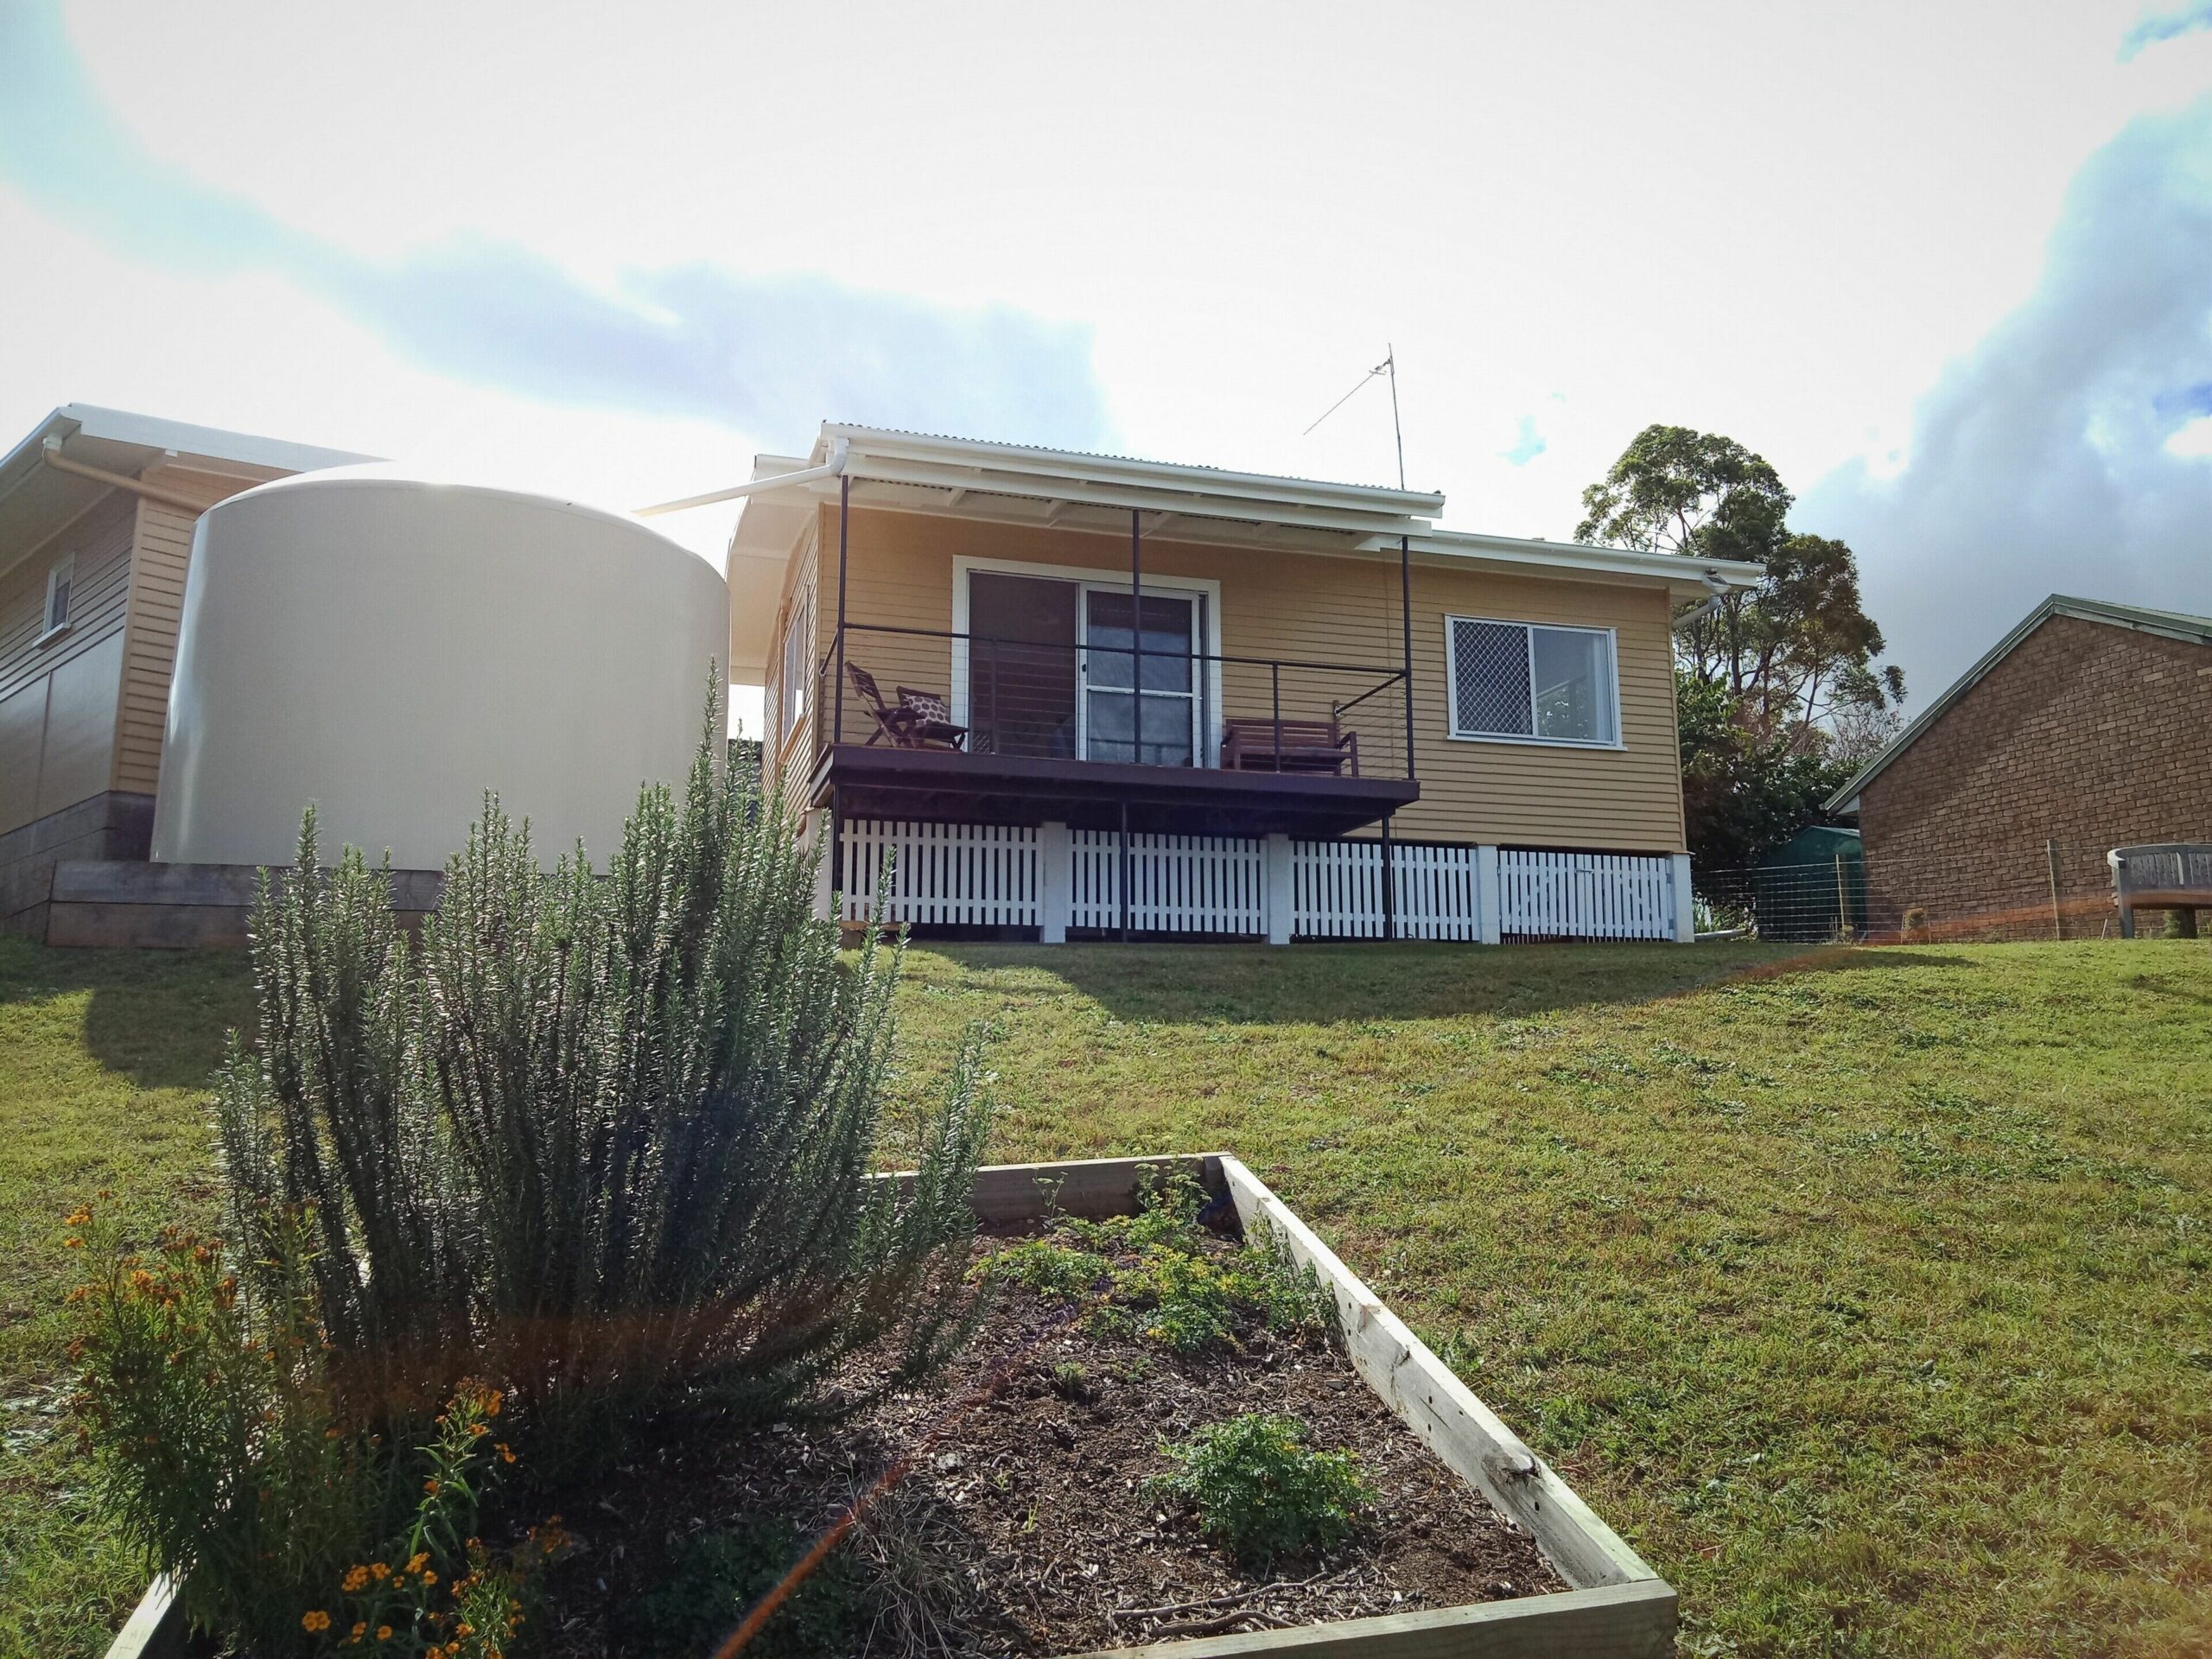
(1073, 467)
(1577, 558)
(865, 467)
(149, 432)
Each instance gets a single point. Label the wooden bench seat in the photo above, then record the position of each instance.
(1310, 746)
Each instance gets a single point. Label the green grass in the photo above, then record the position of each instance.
(1866, 1293)
(103, 1060)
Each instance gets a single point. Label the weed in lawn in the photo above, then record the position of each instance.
(1260, 1492)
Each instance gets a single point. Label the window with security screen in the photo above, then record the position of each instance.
(1525, 682)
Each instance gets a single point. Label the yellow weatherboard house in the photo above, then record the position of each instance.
(1064, 694)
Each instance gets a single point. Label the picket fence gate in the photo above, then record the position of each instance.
(1586, 896)
(998, 875)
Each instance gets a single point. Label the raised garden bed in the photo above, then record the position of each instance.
(1028, 1518)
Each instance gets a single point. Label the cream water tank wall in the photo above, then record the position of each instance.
(389, 648)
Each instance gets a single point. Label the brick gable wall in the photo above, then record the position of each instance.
(2094, 736)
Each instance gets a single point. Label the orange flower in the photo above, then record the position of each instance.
(73, 1243)
(429, 1578)
(384, 1632)
(76, 1217)
(355, 1581)
(379, 1572)
(507, 1452)
(431, 1486)
(314, 1620)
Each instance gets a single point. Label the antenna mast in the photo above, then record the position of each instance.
(1390, 362)
(1388, 365)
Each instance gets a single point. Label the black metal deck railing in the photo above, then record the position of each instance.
(1150, 701)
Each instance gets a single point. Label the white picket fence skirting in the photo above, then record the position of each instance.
(997, 876)
(1336, 890)
(1586, 896)
(941, 874)
(1178, 884)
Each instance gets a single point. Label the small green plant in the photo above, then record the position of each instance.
(713, 1579)
(1072, 1380)
(1260, 1492)
(1153, 1274)
(1052, 1269)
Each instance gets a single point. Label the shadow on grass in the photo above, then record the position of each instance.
(157, 1017)
(1330, 984)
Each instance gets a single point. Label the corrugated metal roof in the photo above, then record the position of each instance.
(1225, 474)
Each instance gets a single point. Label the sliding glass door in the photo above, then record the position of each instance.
(1157, 670)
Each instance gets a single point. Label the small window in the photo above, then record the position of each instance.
(1518, 680)
(798, 664)
(59, 580)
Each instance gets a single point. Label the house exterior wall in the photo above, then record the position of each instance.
(161, 554)
(2092, 735)
(58, 701)
(1283, 604)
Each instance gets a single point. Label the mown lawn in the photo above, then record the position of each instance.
(1864, 1291)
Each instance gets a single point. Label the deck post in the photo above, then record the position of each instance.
(1390, 882)
(1405, 621)
(1136, 650)
(845, 517)
(1281, 893)
(1685, 901)
(1122, 883)
(1489, 920)
(1055, 883)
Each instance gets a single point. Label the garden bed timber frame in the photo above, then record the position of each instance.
(1619, 1608)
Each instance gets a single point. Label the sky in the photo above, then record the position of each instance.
(1948, 266)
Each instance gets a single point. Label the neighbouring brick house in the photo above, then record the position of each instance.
(2089, 725)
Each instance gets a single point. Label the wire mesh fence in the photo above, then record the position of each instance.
(1994, 891)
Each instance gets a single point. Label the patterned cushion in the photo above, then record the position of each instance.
(927, 705)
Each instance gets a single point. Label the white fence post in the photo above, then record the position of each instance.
(1055, 883)
(1685, 902)
(816, 839)
(1281, 905)
(1486, 894)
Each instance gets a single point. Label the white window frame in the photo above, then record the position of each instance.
(62, 570)
(1452, 683)
(794, 694)
(1078, 575)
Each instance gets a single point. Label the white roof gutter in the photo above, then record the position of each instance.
(833, 467)
(1719, 587)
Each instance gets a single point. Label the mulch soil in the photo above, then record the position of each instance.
(1024, 1526)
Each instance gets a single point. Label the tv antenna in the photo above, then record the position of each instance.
(1388, 368)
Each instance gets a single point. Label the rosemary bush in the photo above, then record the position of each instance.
(605, 1141)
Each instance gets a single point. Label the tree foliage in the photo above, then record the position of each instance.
(1794, 651)
(1778, 688)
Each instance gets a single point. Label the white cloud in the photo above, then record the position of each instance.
(2053, 458)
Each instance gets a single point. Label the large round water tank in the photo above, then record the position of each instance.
(389, 648)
